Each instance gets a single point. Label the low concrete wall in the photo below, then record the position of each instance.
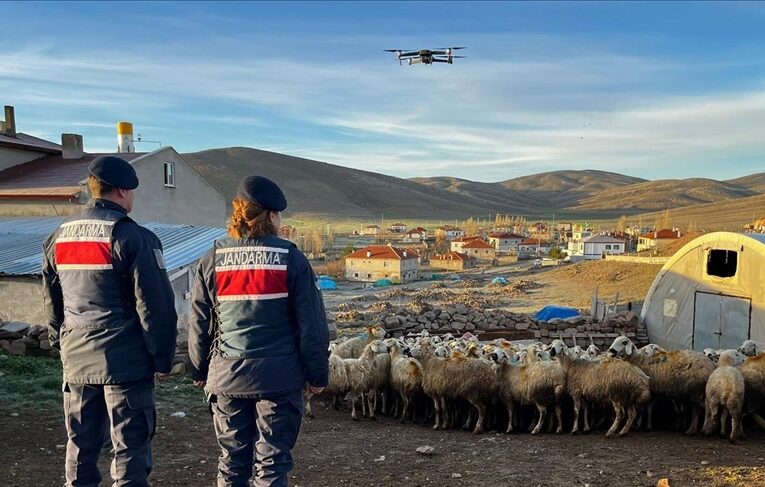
(21, 299)
(638, 260)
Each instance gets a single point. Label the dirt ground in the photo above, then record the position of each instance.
(334, 450)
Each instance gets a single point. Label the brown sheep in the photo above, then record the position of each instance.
(678, 374)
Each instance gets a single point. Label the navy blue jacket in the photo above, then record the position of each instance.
(257, 323)
(109, 302)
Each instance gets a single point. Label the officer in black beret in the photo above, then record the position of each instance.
(111, 313)
(257, 334)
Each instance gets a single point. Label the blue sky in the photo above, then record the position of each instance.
(656, 90)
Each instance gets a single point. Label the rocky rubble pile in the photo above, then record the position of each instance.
(460, 318)
(18, 338)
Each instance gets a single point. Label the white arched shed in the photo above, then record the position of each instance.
(711, 293)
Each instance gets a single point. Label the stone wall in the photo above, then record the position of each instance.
(495, 323)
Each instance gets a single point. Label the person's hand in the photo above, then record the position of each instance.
(160, 376)
(200, 383)
(315, 390)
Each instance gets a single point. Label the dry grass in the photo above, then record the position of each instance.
(573, 285)
(731, 476)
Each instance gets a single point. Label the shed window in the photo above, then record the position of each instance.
(170, 174)
(722, 263)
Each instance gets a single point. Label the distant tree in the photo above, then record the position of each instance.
(471, 227)
(314, 243)
(665, 220)
(348, 250)
(621, 225)
(557, 253)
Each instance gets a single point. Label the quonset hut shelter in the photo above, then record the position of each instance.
(710, 294)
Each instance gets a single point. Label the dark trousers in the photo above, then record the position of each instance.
(125, 412)
(256, 431)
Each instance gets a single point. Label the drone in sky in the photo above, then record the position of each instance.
(426, 56)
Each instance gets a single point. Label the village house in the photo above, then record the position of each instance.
(448, 232)
(42, 179)
(371, 230)
(451, 261)
(535, 246)
(595, 247)
(539, 228)
(382, 261)
(504, 242)
(397, 228)
(564, 227)
(479, 249)
(457, 244)
(657, 239)
(417, 233)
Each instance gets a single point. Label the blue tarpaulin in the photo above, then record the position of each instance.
(500, 281)
(549, 312)
(326, 282)
(383, 283)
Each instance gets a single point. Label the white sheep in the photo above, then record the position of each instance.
(609, 381)
(406, 375)
(353, 347)
(360, 374)
(749, 348)
(725, 393)
(536, 382)
(338, 383)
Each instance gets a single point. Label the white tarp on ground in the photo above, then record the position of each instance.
(688, 306)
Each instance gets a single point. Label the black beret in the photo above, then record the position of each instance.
(263, 192)
(114, 171)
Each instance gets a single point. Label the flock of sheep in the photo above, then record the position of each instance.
(460, 380)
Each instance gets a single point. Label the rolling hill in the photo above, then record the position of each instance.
(665, 193)
(320, 189)
(755, 182)
(722, 215)
(565, 189)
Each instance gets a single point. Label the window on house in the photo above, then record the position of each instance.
(170, 174)
(608, 247)
(369, 276)
(355, 274)
(722, 263)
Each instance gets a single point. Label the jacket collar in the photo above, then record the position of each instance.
(110, 205)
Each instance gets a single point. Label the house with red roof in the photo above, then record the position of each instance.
(504, 242)
(382, 261)
(479, 249)
(657, 239)
(451, 261)
(457, 243)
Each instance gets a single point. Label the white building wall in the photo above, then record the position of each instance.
(595, 251)
(193, 200)
(10, 157)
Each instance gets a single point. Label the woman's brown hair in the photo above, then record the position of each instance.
(98, 188)
(250, 220)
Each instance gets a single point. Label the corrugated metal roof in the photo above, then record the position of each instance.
(21, 241)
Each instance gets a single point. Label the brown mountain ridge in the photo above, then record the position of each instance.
(327, 190)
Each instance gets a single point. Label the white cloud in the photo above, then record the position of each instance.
(549, 104)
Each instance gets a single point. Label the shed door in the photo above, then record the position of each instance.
(720, 321)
